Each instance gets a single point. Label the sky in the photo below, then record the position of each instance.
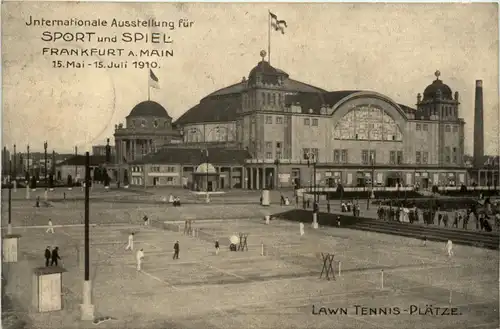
(393, 49)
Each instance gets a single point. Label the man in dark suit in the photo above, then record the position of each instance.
(55, 256)
(176, 250)
(47, 255)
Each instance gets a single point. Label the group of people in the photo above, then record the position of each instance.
(52, 256)
(139, 256)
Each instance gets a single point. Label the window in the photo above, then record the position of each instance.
(170, 180)
(419, 126)
(373, 157)
(455, 155)
(447, 128)
(455, 129)
(269, 119)
(425, 127)
(343, 156)
(418, 156)
(274, 99)
(279, 120)
(364, 156)
(315, 153)
(268, 99)
(315, 122)
(447, 154)
(170, 169)
(143, 123)
(425, 157)
(279, 99)
(269, 155)
(306, 122)
(278, 145)
(392, 158)
(336, 156)
(278, 155)
(305, 153)
(399, 157)
(269, 145)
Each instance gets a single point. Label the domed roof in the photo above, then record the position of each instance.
(269, 74)
(148, 109)
(202, 169)
(437, 86)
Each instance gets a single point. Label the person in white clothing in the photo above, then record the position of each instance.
(139, 256)
(449, 248)
(130, 245)
(301, 225)
(51, 228)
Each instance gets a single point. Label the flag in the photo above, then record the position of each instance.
(153, 80)
(278, 25)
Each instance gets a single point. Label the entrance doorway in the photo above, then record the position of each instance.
(210, 187)
(222, 185)
(155, 181)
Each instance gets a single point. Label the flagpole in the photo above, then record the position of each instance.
(269, 39)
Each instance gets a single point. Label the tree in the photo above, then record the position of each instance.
(33, 182)
(70, 181)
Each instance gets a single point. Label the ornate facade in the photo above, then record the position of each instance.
(353, 137)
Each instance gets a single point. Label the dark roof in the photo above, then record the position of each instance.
(431, 91)
(194, 156)
(79, 160)
(268, 73)
(148, 109)
(214, 109)
(232, 89)
(407, 109)
(314, 101)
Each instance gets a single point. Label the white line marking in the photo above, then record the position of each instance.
(224, 271)
(157, 279)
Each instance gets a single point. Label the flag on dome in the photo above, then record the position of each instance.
(278, 25)
(153, 80)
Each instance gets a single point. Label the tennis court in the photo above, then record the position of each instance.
(279, 289)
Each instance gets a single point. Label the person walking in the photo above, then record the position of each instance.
(449, 248)
(47, 256)
(130, 245)
(176, 250)
(301, 226)
(217, 247)
(55, 256)
(139, 257)
(51, 228)
(146, 220)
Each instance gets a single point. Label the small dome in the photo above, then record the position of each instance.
(202, 169)
(149, 109)
(268, 73)
(437, 86)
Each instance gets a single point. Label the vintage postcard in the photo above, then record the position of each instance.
(250, 165)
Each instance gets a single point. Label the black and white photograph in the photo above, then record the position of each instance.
(191, 165)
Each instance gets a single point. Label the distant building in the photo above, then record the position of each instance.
(100, 150)
(75, 167)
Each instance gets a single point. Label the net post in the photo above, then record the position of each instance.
(382, 279)
(449, 298)
(340, 267)
(262, 249)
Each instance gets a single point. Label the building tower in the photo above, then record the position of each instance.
(478, 126)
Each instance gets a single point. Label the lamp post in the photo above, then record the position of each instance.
(28, 161)
(87, 309)
(76, 166)
(9, 225)
(372, 194)
(277, 164)
(206, 172)
(14, 173)
(311, 158)
(45, 145)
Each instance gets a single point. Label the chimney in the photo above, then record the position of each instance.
(478, 125)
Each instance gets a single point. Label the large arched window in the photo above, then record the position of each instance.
(368, 122)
